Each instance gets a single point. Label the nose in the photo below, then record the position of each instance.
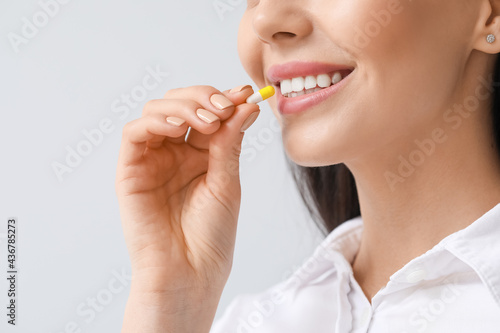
(281, 22)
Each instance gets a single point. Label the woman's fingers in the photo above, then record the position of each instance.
(238, 96)
(165, 120)
(138, 132)
(179, 112)
(219, 103)
(194, 114)
(202, 108)
(207, 98)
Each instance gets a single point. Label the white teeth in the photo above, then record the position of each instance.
(336, 78)
(298, 84)
(311, 82)
(286, 86)
(324, 80)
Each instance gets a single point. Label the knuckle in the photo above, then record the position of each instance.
(171, 93)
(190, 106)
(128, 127)
(206, 89)
(185, 108)
(194, 90)
(149, 107)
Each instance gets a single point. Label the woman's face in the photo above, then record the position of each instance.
(403, 63)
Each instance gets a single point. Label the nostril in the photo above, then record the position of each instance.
(283, 35)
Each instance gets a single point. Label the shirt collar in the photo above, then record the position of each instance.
(332, 256)
(477, 247)
(345, 239)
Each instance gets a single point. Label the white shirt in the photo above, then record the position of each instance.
(454, 287)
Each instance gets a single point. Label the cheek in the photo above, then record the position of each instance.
(408, 46)
(250, 50)
(251, 57)
(404, 50)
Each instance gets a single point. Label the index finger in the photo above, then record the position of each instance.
(220, 103)
(238, 95)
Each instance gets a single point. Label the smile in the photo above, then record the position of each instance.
(301, 85)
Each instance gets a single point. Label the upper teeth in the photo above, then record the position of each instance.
(296, 86)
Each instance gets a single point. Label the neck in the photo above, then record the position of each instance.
(410, 201)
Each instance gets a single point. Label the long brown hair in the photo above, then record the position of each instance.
(330, 193)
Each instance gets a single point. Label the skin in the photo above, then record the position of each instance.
(179, 197)
(394, 98)
(179, 200)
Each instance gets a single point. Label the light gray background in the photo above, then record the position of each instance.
(64, 80)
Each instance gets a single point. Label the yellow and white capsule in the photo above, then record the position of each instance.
(261, 95)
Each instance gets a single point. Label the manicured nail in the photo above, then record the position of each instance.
(206, 116)
(175, 121)
(220, 101)
(240, 88)
(250, 120)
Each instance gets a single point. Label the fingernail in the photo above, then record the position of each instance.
(175, 121)
(206, 116)
(220, 101)
(239, 88)
(250, 120)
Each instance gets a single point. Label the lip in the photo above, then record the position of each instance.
(290, 105)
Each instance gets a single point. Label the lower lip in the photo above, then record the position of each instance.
(292, 105)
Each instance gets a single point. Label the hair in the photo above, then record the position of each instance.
(330, 193)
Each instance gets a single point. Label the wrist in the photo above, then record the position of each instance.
(174, 298)
(179, 311)
(153, 283)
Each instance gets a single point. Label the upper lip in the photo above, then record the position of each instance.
(289, 70)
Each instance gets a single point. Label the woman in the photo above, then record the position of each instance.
(406, 135)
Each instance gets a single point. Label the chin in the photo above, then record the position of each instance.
(307, 157)
(312, 148)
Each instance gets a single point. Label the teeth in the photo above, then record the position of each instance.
(324, 80)
(310, 82)
(336, 78)
(299, 86)
(286, 87)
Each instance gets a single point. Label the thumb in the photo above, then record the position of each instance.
(223, 176)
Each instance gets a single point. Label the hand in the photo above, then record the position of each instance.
(179, 197)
